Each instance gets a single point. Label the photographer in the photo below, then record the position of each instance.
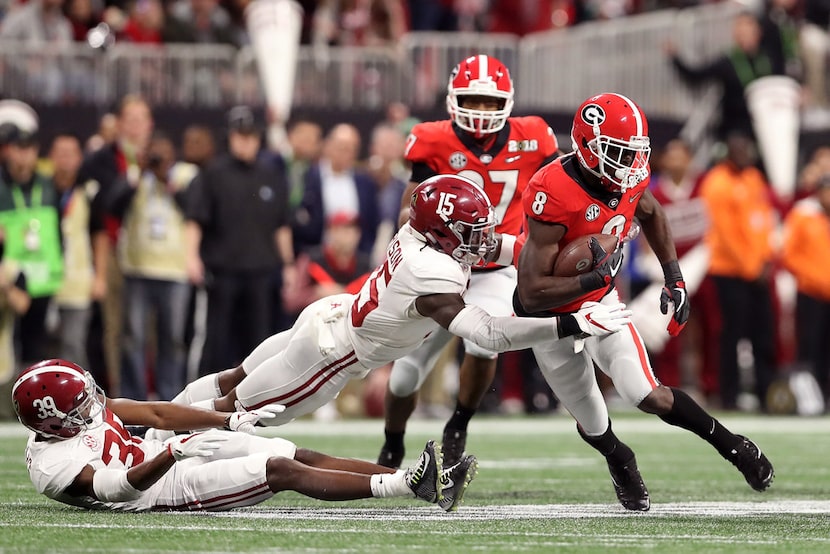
(152, 256)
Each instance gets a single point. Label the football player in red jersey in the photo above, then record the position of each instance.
(500, 153)
(600, 188)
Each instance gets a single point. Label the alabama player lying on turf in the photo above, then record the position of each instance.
(600, 188)
(81, 454)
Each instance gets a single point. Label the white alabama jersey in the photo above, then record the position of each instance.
(54, 464)
(384, 323)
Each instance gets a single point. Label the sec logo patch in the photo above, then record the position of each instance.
(458, 160)
(592, 212)
(91, 442)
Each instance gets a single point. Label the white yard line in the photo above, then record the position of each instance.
(542, 511)
(480, 513)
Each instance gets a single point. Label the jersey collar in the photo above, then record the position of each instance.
(467, 140)
(611, 199)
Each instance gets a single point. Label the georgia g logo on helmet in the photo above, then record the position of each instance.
(593, 115)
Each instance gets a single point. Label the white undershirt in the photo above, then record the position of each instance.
(339, 191)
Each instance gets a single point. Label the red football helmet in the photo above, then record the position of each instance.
(610, 138)
(56, 398)
(480, 76)
(454, 216)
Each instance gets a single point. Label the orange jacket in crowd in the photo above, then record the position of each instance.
(806, 249)
(742, 221)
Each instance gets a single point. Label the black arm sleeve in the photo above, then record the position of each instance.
(421, 172)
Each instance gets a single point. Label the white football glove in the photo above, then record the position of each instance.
(245, 422)
(201, 445)
(598, 320)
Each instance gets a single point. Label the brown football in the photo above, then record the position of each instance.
(576, 258)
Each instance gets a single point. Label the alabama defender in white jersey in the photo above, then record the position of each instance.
(80, 453)
(416, 291)
(480, 141)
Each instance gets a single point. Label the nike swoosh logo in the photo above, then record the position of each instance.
(512, 159)
(593, 322)
(682, 297)
(448, 483)
(634, 197)
(614, 270)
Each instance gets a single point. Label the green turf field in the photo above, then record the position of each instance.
(539, 489)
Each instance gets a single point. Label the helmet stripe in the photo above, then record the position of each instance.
(483, 70)
(33, 373)
(636, 112)
(38, 371)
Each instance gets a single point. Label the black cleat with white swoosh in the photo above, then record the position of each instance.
(750, 461)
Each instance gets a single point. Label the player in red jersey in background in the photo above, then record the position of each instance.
(600, 188)
(500, 153)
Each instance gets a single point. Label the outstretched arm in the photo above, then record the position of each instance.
(165, 415)
(516, 333)
(181, 417)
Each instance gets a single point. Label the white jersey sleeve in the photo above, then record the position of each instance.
(385, 324)
(54, 465)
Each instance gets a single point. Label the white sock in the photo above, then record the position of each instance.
(387, 485)
(203, 388)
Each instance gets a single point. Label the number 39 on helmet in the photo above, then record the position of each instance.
(610, 138)
(454, 216)
(57, 399)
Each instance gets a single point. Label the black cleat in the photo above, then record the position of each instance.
(453, 444)
(750, 461)
(423, 478)
(454, 480)
(391, 458)
(629, 486)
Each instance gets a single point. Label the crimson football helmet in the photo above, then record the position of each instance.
(57, 399)
(480, 76)
(610, 138)
(454, 216)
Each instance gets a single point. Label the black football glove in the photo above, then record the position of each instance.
(674, 292)
(606, 267)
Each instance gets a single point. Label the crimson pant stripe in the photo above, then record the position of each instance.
(348, 359)
(232, 497)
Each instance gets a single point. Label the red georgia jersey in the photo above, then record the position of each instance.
(556, 194)
(503, 171)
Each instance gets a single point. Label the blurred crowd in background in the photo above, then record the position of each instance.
(333, 22)
(142, 256)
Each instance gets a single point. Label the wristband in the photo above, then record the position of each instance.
(568, 326)
(112, 485)
(671, 272)
(508, 244)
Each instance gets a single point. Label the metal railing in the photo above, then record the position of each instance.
(552, 71)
